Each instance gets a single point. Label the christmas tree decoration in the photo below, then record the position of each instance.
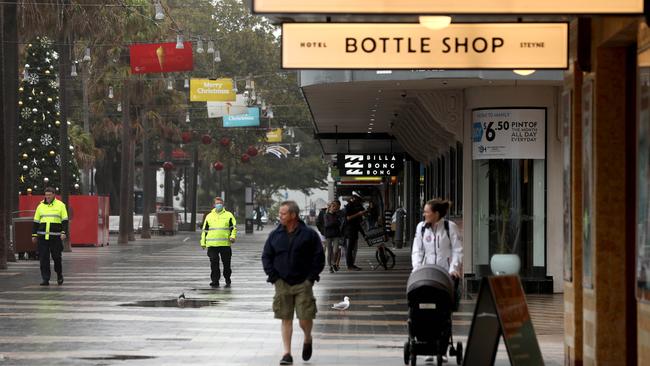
(186, 136)
(252, 151)
(245, 158)
(168, 165)
(206, 139)
(38, 128)
(218, 166)
(224, 141)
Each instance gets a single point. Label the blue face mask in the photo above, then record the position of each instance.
(218, 206)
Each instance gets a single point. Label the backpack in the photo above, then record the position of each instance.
(446, 223)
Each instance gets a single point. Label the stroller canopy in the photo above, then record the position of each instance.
(430, 275)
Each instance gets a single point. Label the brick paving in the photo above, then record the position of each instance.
(118, 307)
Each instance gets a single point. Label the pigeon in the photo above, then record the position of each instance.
(181, 299)
(343, 305)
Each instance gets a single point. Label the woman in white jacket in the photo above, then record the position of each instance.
(437, 241)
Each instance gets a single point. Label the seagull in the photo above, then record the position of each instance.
(343, 305)
(181, 299)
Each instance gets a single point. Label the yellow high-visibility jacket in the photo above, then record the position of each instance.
(218, 229)
(50, 219)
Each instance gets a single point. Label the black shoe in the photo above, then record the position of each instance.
(59, 279)
(336, 268)
(214, 284)
(286, 360)
(306, 351)
(354, 268)
(45, 283)
(228, 284)
(331, 269)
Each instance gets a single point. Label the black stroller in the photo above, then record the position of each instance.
(430, 294)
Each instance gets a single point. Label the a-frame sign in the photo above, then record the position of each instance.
(501, 310)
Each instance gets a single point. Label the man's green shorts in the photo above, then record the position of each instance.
(299, 297)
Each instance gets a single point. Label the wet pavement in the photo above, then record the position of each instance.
(119, 306)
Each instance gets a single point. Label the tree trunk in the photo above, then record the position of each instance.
(131, 182)
(195, 179)
(123, 237)
(65, 39)
(146, 178)
(169, 183)
(10, 83)
(85, 75)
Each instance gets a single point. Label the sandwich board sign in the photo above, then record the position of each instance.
(501, 311)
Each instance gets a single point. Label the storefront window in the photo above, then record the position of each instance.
(509, 188)
(509, 206)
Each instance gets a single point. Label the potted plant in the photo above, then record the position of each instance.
(505, 220)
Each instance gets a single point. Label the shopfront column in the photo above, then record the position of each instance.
(608, 145)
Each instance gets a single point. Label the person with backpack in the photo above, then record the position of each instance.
(333, 222)
(437, 240)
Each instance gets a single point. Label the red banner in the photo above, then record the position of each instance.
(160, 57)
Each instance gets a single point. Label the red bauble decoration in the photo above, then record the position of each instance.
(206, 139)
(252, 151)
(224, 141)
(245, 158)
(186, 136)
(218, 166)
(168, 165)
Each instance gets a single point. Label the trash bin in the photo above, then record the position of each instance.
(249, 226)
(22, 234)
(167, 222)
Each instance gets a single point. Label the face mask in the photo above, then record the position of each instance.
(218, 206)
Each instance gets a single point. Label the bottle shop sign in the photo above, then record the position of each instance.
(369, 165)
(413, 46)
(449, 7)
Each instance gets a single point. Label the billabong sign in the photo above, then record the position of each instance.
(369, 165)
(449, 7)
(413, 46)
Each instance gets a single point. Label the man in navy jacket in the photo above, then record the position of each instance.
(293, 259)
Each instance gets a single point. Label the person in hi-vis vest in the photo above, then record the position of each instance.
(219, 232)
(49, 230)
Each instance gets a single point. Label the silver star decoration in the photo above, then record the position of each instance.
(35, 161)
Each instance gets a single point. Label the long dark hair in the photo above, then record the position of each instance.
(440, 206)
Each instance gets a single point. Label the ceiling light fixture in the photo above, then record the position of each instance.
(435, 22)
(524, 72)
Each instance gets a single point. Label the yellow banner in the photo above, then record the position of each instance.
(274, 135)
(208, 90)
(413, 46)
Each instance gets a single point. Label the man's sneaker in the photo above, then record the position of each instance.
(214, 284)
(59, 279)
(45, 283)
(306, 351)
(228, 284)
(336, 267)
(286, 360)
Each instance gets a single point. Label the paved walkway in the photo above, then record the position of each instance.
(118, 307)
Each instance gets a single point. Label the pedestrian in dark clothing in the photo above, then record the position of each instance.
(258, 218)
(333, 222)
(293, 259)
(354, 212)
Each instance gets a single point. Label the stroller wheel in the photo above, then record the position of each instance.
(439, 359)
(414, 359)
(459, 353)
(407, 352)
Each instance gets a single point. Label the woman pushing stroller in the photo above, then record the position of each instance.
(437, 240)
